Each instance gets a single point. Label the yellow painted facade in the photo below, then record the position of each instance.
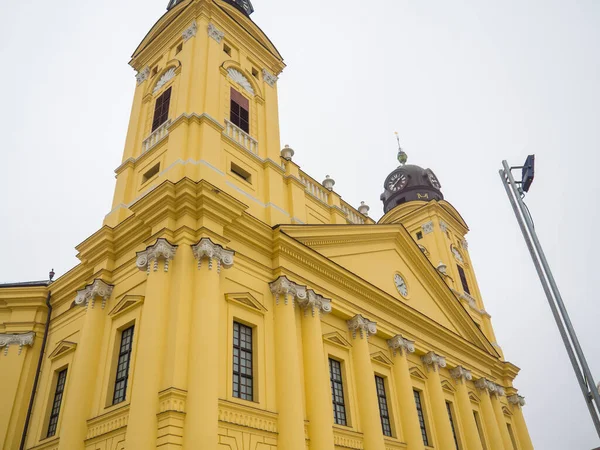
(214, 230)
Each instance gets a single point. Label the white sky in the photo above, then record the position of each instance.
(466, 83)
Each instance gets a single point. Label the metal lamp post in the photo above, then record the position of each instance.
(516, 191)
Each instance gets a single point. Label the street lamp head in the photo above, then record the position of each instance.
(528, 173)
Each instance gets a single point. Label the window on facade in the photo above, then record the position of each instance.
(161, 109)
(58, 395)
(419, 235)
(451, 417)
(421, 417)
(479, 430)
(123, 366)
(512, 436)
(179, 49)
(242, 362)
(384, 413)
(240, 111)
(463, 279)
(337, 392)
(227, 49)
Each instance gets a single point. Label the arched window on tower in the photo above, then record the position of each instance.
(161, 109)
(463, 279)
(240, 111)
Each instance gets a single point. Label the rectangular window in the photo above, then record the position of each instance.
(58, 395)
(479, 430)
(451, 417)
(240, 111)
(512, 436)
(383, 406)
(242, 362)
(463, 279)
(337, 392)
(421, 417)
(419, 235)
(123, 366)
(161, 109)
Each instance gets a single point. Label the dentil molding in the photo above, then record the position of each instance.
(87, 295)
(434, 361)
(363, 326)
(401, 345)
(213, 252)
(190, 32)
(162, 249)
(215, 33)
(286, 288)
(6, 340)
(315, 302)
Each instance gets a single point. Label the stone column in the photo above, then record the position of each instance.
(471, 437)
(489, 417)
(287, 365)
(495, 394)
(368, 405)
(202, 417)
(80, 389)
(401, 347)
(517, 403)
(318, 392)
(445, 439)
(142, 428)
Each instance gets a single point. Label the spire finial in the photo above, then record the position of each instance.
(402, 156)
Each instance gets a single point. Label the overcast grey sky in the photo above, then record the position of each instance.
(465, 83)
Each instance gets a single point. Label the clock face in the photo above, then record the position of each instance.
(401, 285)
(433, 179)
(397, 182)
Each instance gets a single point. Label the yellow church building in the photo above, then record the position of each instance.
(231, 301)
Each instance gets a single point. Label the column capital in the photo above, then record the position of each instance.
(142, 75)
(461, 374)
(161, 249)
(434, 360)
(190, 32)
(516, 400)
(490, 386)
(401, 345)
(215, 33)
(315, 302)
(6, 340)
(87, 295)
(208, 249)
(364, 326)
(285, 287)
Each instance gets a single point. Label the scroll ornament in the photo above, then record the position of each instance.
(213, 252)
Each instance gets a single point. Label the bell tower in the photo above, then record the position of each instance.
(412, 197)
(205, 106)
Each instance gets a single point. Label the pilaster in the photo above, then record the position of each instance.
(517, 403)
(486, 388)
(471, 436)
(495, 394)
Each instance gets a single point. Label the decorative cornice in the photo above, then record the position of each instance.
(365, 327)
(315, 302)
(398, 344)
(247, 417)
(143, 75)
(516, 400)
(190, 32)
(269, 78)
(6, 340)
(215, 33)
(427, 227)
(162, 249)
(87, 295)
(434, 360)
(491, 387)
(287, 288)
(213, 252)
(461, 374)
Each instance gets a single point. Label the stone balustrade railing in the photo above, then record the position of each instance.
(239, 136)
(157, 136)
(314, 188)
(353, 215)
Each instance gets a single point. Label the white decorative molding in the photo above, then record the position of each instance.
(434, 360)
(143, 75)
(457, 254)
(215, 33)
(328, 183)
(240, 79)
(491, 387)
(190, 32)
(213, 252)
(6, 340)
(166, 77)
(315, 302)
(401, 345)
(269, 78)
(443, 226)
(427, 227)
(87, 295)
(516, 400)
(363, 326)
(465, 244)
(287, 153)
(461, 374)
(286, 288)
(162, 249)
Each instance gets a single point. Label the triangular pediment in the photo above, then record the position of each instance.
(127, 303)
(62, 348)
(474, 398)
(447, 386)
(337, 338)
(246, 300)
(417, 373)
(382, 358)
